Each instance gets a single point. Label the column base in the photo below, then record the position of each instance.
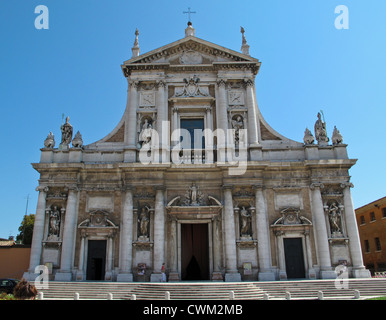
(63, 276)
(156, 277)
(233, 277)
(361, 273)
(255, 152)
(109, 276)
(311, 274)
(130, 155)
(174, 277)
(125, 277)
(328, 274)
(266, 276)
(217, 276)
(282, 275)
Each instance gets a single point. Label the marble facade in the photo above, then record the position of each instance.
(133, 193)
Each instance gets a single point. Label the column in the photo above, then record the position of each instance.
(232, 273)
(216, 275)
(255, 149)
(80, 274)
(69, 232)
(263, 243)
(209, 136)
(222, 119)
(320, 229)
(162, 120)
(359, 270)
(280, 254)
(159, 235)
(173, 274)
(109, 262)
(38, 233)
(126, 239)
(131, 123)
(252, 113)
(311, 271)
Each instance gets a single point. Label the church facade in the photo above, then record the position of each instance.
(193, 177)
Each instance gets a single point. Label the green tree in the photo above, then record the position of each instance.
(26, 229)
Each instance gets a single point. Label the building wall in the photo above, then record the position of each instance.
(14, 261)
(372, 228)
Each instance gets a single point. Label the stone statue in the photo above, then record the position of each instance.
(245, 217)
(54, 222)
(238, 124)
(336, 137)
(49, 143)
(146, 133)
(144, 220)
(78, 141)
(193, 196)
(308, 137)
(320, 131)
(335, 218)
(67, 132)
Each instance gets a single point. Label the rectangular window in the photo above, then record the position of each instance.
(378, 244)
(195, 128)
(384, 212)
(367, 246)
(372, 216)
(363, 220)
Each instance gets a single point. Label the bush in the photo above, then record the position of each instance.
(5, 296)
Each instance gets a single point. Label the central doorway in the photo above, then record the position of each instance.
(194, 252)
(96, 259)
(294, 260)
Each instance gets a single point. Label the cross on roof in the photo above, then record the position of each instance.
(189, 13)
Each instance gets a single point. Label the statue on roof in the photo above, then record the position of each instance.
(67, 132)
(320, 131)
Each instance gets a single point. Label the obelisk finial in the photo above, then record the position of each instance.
(135, 48)
(244, 46)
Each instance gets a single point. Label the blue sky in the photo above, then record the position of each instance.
(73, 68)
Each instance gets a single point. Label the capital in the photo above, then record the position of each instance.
(72, 187)
(159, 188)
(346, 185)
(249, 82)
(134, 84)
(221, 83)
(227, 187)
(161, 84)
(42, 189)
(128, 188)
(315, 185)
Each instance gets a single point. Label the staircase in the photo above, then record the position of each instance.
(276, 290)
(308, 289)
(197, 291)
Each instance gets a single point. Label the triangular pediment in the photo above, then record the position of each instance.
(191, 50)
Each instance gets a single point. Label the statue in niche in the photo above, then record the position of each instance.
(245, 217)
(143, 221)
(67, 132)
(335, 217)
(54, 222)
(238, 124)
(320, 130)
(146, 133)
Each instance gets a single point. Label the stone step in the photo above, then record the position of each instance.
(305, 289)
